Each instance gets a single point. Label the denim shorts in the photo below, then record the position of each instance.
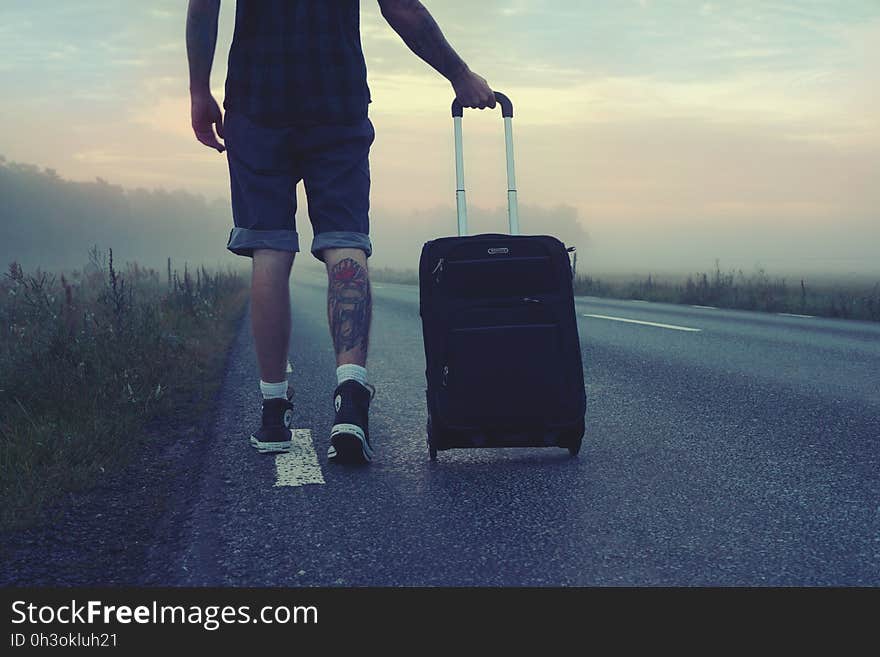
(265, 166)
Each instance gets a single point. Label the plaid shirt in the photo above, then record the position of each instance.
(296, 62)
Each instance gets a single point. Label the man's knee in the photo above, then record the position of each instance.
(332, 257)
(272, 263)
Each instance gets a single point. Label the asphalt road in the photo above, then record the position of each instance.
(722, 448)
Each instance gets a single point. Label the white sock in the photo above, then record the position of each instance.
(273, 390)
(351, 373)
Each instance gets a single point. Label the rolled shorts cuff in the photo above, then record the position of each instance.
(341, 239)
(243, 241)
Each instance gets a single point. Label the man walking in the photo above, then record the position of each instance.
(296, 109)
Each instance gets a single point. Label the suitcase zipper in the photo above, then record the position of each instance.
(438, 271)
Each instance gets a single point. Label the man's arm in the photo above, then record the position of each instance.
(201, 42)
(418, 29)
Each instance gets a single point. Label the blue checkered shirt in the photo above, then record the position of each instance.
(296, 62)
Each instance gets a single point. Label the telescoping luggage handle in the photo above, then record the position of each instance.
(460, 200)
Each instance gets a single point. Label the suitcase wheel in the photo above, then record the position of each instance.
(575, 438)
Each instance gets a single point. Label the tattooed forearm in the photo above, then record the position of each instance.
(349, 306)
(420, 32)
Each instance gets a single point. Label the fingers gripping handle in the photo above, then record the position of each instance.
(460, 198)
(504, 101)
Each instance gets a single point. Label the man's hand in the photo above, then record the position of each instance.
(206, 116)
(473, 91)
(420, 32)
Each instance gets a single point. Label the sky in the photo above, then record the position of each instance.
(675, 132)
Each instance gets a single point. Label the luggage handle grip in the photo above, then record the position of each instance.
(460, 198)
(504, 101)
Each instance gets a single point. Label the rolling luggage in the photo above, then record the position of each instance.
(501, 340)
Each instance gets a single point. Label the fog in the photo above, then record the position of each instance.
(49, 222)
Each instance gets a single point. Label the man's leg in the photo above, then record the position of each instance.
(270, 319)
(263, 182)
(349, 304)
(270, 312)
(337, 180)
(349, 311)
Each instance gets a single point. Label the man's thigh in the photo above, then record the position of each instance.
(263, 177)
(336, 171)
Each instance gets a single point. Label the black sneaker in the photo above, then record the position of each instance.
(274, 435)
(350, 435)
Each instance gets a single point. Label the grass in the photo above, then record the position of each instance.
(733, 289)
(88, 357)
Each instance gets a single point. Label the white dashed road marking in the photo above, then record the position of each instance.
(796, 315)
(706, 307)
(636, 321)
(299, 466)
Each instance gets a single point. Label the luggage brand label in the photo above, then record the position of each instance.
(499, 251)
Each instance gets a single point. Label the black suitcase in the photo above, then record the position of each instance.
(501, 339)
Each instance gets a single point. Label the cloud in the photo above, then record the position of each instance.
(517, 8)
(164, 14)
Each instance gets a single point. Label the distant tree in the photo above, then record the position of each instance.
(49, 222)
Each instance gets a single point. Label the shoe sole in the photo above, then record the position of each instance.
(349, 445)
(277, 447)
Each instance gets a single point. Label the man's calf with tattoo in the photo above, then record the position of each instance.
(297, 110)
